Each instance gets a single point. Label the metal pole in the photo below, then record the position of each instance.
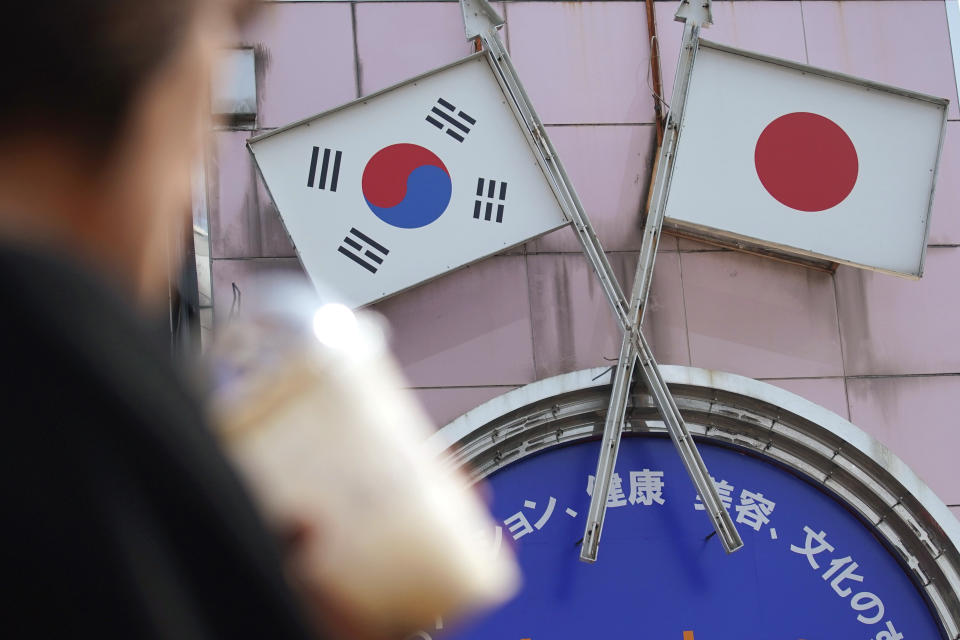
(631, 350)
(481, 20)
(571, 202)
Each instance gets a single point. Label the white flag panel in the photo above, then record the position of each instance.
(806, 161)
(397, 188)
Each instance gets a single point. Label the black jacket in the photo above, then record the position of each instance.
(119, 516)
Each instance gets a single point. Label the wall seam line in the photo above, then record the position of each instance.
(803, 28)
(683, 302)
(533, 338)
(843, 355)
(357, 73)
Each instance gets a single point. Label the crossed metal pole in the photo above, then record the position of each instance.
(482, 21)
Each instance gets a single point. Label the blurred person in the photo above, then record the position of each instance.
(121, 517)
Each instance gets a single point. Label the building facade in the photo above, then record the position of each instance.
(877, 350)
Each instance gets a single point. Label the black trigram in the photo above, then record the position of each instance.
(364, 250)
(487, 190)
(458, 123)
(324, 169)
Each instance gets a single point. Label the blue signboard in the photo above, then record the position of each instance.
(810, 569)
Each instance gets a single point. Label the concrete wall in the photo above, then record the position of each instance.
(878, 350)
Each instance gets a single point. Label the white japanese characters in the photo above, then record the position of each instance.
(842, 578)
(518, 525)
(646, 488)
(754, 509)
(725, 489)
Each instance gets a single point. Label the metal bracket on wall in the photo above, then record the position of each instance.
(694, 16)
(480, 20)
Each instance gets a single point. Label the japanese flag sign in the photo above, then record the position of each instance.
(402, 186)
(806, 161)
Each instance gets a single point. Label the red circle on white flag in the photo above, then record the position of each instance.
(806, 161)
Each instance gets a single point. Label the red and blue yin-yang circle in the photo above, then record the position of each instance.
(406, 186)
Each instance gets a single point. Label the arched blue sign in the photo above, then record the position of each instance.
(810, 569)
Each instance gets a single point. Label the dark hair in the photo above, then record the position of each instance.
(76, 66)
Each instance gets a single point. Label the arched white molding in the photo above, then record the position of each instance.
(736, 411)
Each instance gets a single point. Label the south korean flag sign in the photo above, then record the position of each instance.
(404, 185)
(806, 161)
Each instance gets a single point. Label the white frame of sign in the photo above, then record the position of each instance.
(757, 245)
(734, 411)
(508, 99)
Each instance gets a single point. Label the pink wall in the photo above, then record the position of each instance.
(882, 351)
